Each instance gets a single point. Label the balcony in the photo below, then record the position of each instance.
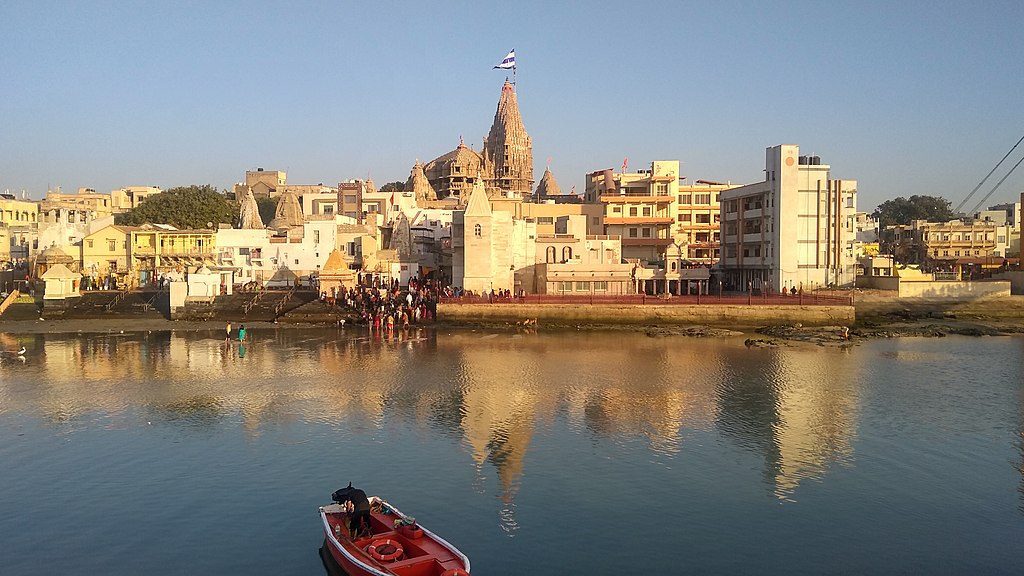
(646, 241)
(625, 198)
(638, 220)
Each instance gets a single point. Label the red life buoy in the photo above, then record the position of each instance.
(385, 550)
(455, 572)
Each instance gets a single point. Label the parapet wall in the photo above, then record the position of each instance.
(726, 316)
(941, 290)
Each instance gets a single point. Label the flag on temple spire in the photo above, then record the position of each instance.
(508, 62)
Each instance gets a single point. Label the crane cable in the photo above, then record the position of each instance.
(964, 201)
(1001, 180)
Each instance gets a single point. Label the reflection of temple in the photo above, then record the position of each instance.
(783, 408)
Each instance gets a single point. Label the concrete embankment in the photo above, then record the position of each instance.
(728, 315)
(881, 307)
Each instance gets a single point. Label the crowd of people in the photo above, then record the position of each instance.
(385, 306)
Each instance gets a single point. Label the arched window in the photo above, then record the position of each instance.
(567, 253)
(478, 231)
(550, 259)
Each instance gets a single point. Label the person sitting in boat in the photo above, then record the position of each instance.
(358, 507)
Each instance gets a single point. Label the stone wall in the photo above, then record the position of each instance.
(726, 316)
(953, 290)
(1016, 279)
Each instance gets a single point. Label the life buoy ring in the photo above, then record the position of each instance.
(412, 532)
(385, 550)
(455, 572)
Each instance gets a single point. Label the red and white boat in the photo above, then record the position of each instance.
(407, 550)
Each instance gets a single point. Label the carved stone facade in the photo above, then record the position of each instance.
(508, 150)
(505, 163)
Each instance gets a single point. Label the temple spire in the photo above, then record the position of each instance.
(249, 213)
(419, 185)
(508, 149)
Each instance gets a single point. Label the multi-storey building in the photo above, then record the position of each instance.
(696, 230)
(263, 183)
(19, 219)
(159, 248)
(793, 230)
(639, 207)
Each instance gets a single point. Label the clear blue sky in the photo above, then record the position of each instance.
(908, 97)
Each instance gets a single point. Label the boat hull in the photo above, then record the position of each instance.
(424, 553)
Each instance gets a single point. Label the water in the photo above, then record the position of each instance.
(535, 454)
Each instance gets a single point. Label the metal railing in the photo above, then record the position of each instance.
(120, 297)
(807, 299)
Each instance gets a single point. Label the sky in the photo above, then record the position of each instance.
(907, 98)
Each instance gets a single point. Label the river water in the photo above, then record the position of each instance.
(594, 453)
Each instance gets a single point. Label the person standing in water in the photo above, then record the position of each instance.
(241, 333)
(227, 331)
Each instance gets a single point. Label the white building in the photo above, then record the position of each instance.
(268, 259)
(794, 229)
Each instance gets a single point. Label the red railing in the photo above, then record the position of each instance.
(808, 299)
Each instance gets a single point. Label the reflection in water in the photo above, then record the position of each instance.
(796, 408)
(489, 391)
(1021, 444)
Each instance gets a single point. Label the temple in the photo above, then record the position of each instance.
(505, 164)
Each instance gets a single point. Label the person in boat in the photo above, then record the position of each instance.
(358, 507)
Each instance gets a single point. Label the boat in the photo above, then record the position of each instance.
(396, 546)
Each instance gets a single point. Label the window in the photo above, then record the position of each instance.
(566, 253)
(565, 286)
(595, 220)
(662, 189)
(703, 218)
(702, 198)
(296, 261)
(731, 206)
(730, 228)
(730, 251)
(316, 236)
(616, 209)
(600, 286)
(111, 245)
(478, 231)
(632, 232)
(545, 220)
(683, 217)
(549, 255)
(647, 210)
(89, 243)
(646, 233)
(329, 209)
(632, 211)
(583, 286)
(684, 198)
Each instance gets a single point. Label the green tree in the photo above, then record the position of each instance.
(267, 207)
(902, 210)
(185, 207)
(393, 187)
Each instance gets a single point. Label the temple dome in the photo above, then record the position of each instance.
(54, 255)
(288, 213)
(548, 186)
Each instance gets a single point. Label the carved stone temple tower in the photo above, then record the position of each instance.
(508, 151)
